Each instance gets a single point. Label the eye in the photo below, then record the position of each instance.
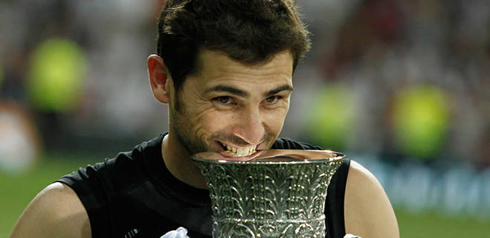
(272, 99)
(223, 100)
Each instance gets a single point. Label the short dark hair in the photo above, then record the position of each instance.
(250, 31)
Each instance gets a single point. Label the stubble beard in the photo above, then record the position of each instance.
(181, 127)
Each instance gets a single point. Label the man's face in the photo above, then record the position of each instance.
(232, 108)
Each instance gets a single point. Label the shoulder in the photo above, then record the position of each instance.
(116, 171)
(55, 212)
(368, 211)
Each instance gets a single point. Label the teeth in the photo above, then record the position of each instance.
(240, 151)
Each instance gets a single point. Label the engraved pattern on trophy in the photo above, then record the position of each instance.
(268, 199)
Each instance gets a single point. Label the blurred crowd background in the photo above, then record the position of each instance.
(401, 85)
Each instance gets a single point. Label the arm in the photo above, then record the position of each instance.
(367, 209)
(55, 212)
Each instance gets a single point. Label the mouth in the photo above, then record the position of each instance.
(233, 151)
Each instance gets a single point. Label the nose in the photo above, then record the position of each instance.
(250, 126)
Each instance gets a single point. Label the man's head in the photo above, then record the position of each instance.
(231, 107)
(225, 69)
(250, 31)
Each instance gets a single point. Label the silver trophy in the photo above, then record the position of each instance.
(276, 193)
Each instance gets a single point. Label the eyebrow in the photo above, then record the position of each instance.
(285, 87)
(241, 93)
(228, 89)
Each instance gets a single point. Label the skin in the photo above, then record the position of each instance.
(225, 105)
(367, 209)
(55, 212)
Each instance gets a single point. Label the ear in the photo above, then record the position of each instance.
(160, 80)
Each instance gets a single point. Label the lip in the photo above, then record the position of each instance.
(228, 154)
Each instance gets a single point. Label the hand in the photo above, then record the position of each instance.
(351, 236)
(181, 232)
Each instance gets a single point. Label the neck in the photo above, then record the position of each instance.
(180, 164)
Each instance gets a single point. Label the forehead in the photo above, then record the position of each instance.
(217, 67)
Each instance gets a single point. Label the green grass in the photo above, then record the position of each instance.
(17, 191)
(431, 224)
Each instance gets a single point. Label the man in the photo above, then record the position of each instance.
(225, 70)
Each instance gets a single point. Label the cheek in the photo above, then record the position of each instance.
(210, 121)
(275, 120)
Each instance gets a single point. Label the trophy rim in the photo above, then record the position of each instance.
(273, 157)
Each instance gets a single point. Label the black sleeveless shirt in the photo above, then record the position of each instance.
(134, 195)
